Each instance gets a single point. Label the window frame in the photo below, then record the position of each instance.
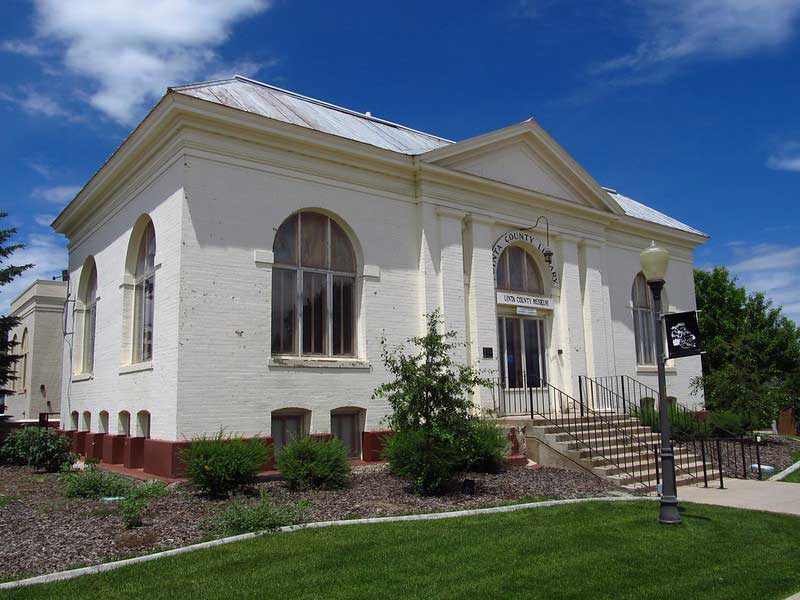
(141, 278)
(504, 267)
(644, 322)
(331, 275)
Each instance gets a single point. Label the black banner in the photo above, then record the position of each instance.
(683, 334)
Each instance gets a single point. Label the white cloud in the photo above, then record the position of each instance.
(58, 194)
(785, 158)
(36, 103)
(43, 220)
(20, 47)
(774, 270)
(49, 255)
(681, 30)
(133, 50)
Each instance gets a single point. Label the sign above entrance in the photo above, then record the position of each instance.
(525, 300)
(527, 312)
(509, 238)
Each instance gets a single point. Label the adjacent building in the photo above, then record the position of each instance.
(39, 342)
(237, 261)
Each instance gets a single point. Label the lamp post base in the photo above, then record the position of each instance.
(669, 514)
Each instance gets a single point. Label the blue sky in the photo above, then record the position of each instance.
(690, 106)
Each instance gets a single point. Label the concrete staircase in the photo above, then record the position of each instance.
(617, 448)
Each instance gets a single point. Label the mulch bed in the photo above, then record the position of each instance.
(44, 532)
(778, 451)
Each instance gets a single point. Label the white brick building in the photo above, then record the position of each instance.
(233, 323)
(39, 341)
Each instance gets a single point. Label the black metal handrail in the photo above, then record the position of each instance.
(632, 397)
(589, 429)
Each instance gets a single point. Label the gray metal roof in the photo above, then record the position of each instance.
(269, 101)
(638, 210)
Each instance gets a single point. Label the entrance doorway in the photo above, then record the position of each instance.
(522, 352)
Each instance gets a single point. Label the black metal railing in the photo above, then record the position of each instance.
(612, 441)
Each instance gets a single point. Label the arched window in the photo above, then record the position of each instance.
(124, 423)
(289, 424)
(143, 424)
(517, 272)
(313, 288)
(103, 421)
(15, 366)
(643, 322)
(87, 421)
(347, 425)
(23, 361)
(73, 420)
(144, 294)
(89, 299)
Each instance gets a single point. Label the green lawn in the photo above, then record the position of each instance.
(601, 550)
(793, 477)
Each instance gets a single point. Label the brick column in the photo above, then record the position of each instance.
(452, 277)
(570, 317)
(596, 310)
(481, 301)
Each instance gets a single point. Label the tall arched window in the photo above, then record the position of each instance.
(517, 272)
(15, 367)
(144, 294)
(23, 361)
(89, 319)
(643, 322)
(313, 288)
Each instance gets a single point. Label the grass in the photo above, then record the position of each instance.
(793, 477)
(598, 550)
(6, 500)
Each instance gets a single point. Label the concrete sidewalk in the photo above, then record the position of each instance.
(770, 496)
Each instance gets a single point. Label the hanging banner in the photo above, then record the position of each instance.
(683, 334)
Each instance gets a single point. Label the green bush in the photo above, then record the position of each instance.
(152, 488)
(484, 447)
(38, 447)
(221, 464)
(243, 517)
(428, 461)
(131, 509)
(308, 463)
(683, 423)
(95, 483)
(724, 423)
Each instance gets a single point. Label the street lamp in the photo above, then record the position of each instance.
(655, 261)
(547, 252)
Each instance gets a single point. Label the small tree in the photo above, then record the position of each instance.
(7, 274)
(432, 414)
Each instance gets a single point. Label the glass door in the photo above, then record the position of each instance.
(522, 352)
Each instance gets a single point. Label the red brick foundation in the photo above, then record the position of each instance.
(133, 452)
(372, 443)
(94, 445)
(79, 442)
(113, 448)
(163, 458)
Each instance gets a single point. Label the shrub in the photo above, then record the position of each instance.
(428, 461)
(724, 423)
(131, 509)
(221, 464)
(38, 447)
(243, 517)
(95, 483)
(152, 488)
(308, 463)
(484, 447)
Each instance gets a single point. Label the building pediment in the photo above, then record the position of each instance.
(526, 157)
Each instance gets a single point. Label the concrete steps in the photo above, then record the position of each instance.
(617, 448)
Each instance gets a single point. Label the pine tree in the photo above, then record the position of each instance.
(7, 274)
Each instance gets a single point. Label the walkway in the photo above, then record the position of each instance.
(770, 496)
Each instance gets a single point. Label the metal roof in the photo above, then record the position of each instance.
(273, 102)
(638, 210)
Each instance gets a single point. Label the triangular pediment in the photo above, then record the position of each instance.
(525, 157)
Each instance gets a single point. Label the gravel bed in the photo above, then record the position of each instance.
(44, 532)
(777, 452)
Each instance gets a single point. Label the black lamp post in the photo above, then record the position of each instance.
(655, 261)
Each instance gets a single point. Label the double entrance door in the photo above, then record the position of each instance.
(522, 352)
